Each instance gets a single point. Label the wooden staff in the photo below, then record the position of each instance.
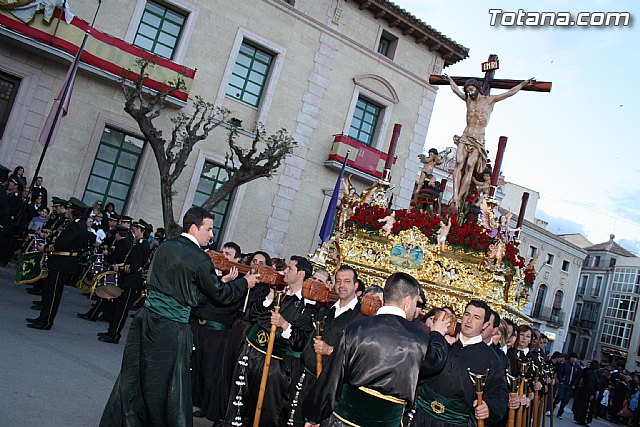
(521, 381)
(478, 380)
(536, 397)
(513, 390)
(267, 364)
(552, 397)
(527, 413)
(319, 325)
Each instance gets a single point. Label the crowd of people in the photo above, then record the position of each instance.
(202, 333)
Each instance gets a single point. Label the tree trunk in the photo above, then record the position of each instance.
(172, 228)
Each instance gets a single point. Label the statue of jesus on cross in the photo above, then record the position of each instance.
(471, 153)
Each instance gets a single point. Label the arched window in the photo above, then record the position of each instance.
(557, 303)
(542, 290)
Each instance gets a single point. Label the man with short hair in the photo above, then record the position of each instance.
(62, 263)
(373, 372)
(334, 320)
(39, 190)
(569, 374)
(211, 323)
(154, 385)
(449, 398)
(294, 326)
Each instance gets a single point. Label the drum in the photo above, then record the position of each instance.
(96, 268)
(31, 268)
(106, 285)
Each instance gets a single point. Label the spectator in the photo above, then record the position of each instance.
(568, 378)
(39, 190)
(37, 222)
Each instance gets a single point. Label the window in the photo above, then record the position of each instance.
(557, 304)
(532, 251)
(114, 169)
(616, 333)
(365, 121)
(622, 307)
(578, 311)
(249, 75)
(159, 29)
(565, 266)
(549, 260)
(596, 261)
(583, 285)
(597, 286)
(211, 178)
(387, 44)
(537, 307)
(625, 280)
(8, 90)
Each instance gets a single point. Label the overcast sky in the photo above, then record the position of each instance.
(579, 145)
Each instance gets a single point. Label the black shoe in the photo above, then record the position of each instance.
(36, 307)
(33, 320)
(103, 334)
(37, 302)
(199, 413)
(111, 339)
(85, 316)
(34, 291)
(39, 325)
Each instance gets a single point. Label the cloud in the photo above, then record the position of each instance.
(625, 203)
(630, 245)
(560, 225)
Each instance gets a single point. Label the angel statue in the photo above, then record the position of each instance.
(497, 251)
(504, 230)
(443, 232)
(374, 195)
(348, 204)
(430, 160)
(389, 221)
(488, 219)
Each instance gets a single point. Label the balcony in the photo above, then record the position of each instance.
(364, 161)
(583, 323)
(104, 56)
(552, 316)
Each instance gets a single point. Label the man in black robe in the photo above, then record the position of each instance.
(154, 385)
(374, 370)
(334, 320)
(449, 399)
(211, 369)
(294, 326)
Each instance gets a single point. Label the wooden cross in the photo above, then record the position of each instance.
(488, 82)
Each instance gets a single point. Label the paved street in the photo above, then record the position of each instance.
(63, 377)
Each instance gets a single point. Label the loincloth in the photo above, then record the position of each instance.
(473, 144)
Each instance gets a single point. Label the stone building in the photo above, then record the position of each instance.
(557, 262)
(335, 73)
(590, 320)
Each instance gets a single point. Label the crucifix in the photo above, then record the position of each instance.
(471, 154)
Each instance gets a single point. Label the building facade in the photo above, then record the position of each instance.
(353, 70)
(593, 301)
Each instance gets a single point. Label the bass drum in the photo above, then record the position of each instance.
(106, 285)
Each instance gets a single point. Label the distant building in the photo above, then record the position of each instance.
(606, 303)
(557, 263)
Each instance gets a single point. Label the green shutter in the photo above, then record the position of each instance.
(364, 121)
(159, 30)
(114, 169)
(249, 75)
(211, 178)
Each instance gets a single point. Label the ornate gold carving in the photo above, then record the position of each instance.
(437, 407)
(451, 278)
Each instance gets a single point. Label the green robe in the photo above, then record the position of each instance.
(154, 385)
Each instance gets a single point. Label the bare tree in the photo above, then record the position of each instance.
(260, 160)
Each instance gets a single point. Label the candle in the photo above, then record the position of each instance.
(495, 175)
(392, 146)
(523, 209)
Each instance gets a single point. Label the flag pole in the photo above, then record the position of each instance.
(330, 215)
(65, 92)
